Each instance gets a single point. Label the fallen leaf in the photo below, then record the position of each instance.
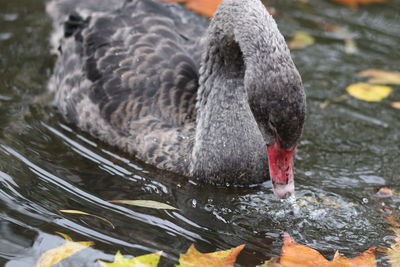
(88, 214)
(207, 7)
(384, 192)
(301, 40)
(394, 251)
(55, 255)
(296, 255)
(350, 46)
(355, 3)
(273, 262)
(396, 104)
(365, 259)
(148, 260)
(194, 258)
(204, 7)
(145, 203)
(381, 76)
(333, 100)
(369, 92)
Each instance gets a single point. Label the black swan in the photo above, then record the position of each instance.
(207, 100)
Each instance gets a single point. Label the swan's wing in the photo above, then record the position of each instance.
(137, 61)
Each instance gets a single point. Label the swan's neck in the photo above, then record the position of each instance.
(243, 40)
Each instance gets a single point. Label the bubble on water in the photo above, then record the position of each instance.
(209, 207)
(365, 200)
(194, 203)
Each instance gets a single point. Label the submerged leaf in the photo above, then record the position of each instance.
(369, 92)
(194, 258)
(88, 214)
(55, 255)
(148, 260)
(145, 203)
(381, 77)
(301, 40)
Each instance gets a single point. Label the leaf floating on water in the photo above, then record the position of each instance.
(296, 255)
(369, 92)
(384, 192)
(145, 203)
(148, 260)
(355, 3)
(194, 258)
(394, 251)
(350, 46)
(88, 214)
(381, 77)
(396, 104)
(204, 7)
(55, 255)
(301, 40)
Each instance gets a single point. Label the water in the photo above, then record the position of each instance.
(349, 149)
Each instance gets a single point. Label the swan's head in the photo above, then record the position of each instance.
(277, 101)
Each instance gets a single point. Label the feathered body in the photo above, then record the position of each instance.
(160, 83)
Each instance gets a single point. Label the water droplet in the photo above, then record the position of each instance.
(365, 200)
(194, 203)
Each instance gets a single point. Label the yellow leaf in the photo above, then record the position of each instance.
(149, 260)
(394, 251)
(194, 258)
(301, 40)
(55, 255)
(381, 77)
(296, 255)
(88, 214)
(145, 203)
(369, 92)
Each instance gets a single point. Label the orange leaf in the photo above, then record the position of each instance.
(396, 104)
(294, 254)
(355, 3)
(204, 7)
(365, 259)
(194, 258)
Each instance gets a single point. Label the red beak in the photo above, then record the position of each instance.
(281, 170)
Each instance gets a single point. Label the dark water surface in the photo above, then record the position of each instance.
(349, 149)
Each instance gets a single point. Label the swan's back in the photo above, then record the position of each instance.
(127, 73)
